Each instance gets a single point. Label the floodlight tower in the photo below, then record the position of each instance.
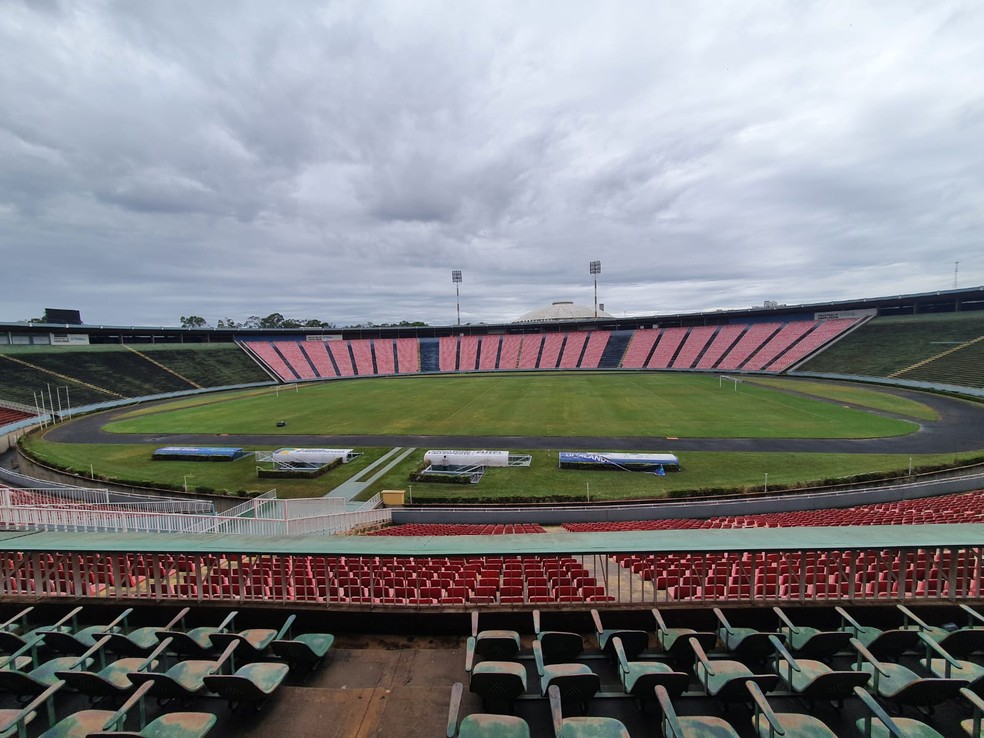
(456, 278)
(594, 267)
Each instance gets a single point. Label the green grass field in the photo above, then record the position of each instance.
(558, 405)
(561, 405)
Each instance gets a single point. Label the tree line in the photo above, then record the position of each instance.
(276, 320)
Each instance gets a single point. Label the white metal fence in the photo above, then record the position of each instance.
(111, 518)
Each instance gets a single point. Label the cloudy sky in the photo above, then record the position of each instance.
(337, 160)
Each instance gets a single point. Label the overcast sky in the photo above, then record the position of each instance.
(337, 160)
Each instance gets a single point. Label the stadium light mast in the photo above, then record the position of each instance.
(456, 278)
(594, 268)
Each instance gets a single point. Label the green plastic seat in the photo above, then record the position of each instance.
(79, 724)
(694, 726)
(196, 641)
(306, 650)
(769, 724)
(79, 640)
(884, 644)
(726, 679)
(558, 646)
(675, 642)
(140, 641)
(573, 681)
(807, 642)
(903, 686)
(582, 727)
(634, 641)
(498, 680)
(113, 680)
(640, 678)
(251, 684)
(15, 721)
(38, 679)
(17, 633)
(494, 644)
(482, 725)
(974, 725)
(184, 681)
(814, 680)
(880, 725)
(171, 725)
(745, 643)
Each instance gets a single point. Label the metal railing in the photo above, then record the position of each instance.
(110, 518)
(919, 574)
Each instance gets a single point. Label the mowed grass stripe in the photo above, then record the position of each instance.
(543, 404)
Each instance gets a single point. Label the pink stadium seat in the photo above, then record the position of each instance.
(572, 350)
(530, 350)
(696, 341)
(448, 356)
(489, 353)
(756, 335)
(669, 342)
(722, 341)
(469, 354)
(550, 354)
(382, 349)
(639, 348)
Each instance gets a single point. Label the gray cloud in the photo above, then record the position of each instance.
(337, 161)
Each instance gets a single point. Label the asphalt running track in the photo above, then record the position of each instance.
(960, 428)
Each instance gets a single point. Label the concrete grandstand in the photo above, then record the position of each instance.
(750, 588)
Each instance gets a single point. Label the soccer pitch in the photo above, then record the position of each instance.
(530, 405)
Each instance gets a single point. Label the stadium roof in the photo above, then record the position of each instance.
(563, 310)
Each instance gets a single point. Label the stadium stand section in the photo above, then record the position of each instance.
(362, 354)
(754, 337)
(696, 341)
(469, 353)
(449, 353)
(509, 353)
(594, 348)
(820, 336)
(385, 354)
(273, 359)
(341, 357)
(666, 347)
(9, 415)
(966, 507)
(573, 348)
(781, 341)
(489, 358)
(293, 354)
(935, 347)
(553, 343)
(318, 354)
(408, 355)
(723, 341)
(640, 347)
(529, 352)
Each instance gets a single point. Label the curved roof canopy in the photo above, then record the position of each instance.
(563, 310)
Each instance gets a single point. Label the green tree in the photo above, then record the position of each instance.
(193, 321)
(273, 320)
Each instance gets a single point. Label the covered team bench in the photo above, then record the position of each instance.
(199, 453)
(612, 461)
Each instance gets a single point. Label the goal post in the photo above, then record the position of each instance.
(722, 378)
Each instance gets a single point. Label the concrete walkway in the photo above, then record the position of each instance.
(354, 486)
